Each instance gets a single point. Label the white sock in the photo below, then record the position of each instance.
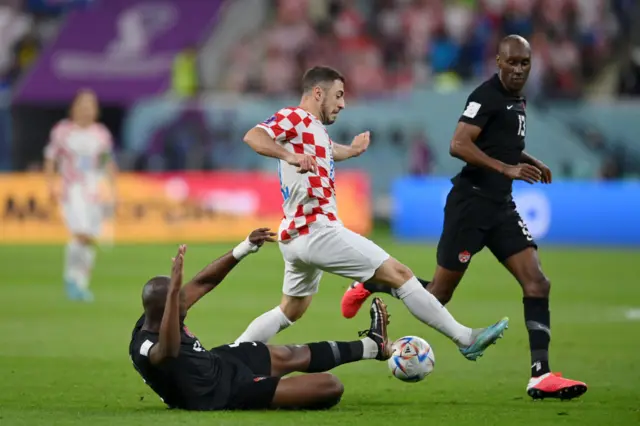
(88, 256)
(370, 349)
(73, 261)
(265, 326)
(424, 306)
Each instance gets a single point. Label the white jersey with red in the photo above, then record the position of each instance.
(80, 153)
(310, 198)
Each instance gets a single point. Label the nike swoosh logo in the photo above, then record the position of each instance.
(510, 106)
(536, 326)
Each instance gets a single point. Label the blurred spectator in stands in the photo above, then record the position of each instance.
(402, 44)
(629, 76)
(279, 72)
(421, 159)
(13, 26)
(25, 52)
(185, 79)
(610, 169)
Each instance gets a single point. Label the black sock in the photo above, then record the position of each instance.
(328, 355)
(379, 288)
(538, 321)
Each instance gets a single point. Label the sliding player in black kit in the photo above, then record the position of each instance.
(479, 212)
(244, 376)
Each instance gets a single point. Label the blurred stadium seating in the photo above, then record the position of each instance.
(390, 45)
(182, 98)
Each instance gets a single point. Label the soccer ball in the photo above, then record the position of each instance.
(412, 359)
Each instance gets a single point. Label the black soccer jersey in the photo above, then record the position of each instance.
(501, 116)
(190, 381)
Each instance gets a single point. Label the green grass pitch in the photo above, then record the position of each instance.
(64, 363)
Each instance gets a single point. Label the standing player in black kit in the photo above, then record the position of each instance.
(244, 376)
(480, 210)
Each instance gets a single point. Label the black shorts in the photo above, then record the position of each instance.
(472, 222)
(247, 371)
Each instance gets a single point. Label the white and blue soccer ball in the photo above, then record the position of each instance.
(412, 359)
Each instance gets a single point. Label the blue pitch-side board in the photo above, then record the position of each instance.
(571, 212)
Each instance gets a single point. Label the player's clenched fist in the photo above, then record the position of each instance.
(304, 162)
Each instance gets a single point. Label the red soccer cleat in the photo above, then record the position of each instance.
(553, 385)
(353, 299)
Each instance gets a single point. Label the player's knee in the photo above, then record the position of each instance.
(294, 307)
(538, 286)
(404, 272)
(442, 293)
(332, 390)
(287, 354)
(393, 273)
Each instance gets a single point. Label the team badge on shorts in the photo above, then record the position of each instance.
(464, 256)
(258, 378)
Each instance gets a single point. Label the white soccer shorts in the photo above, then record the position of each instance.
(82, 214)
(336, 250)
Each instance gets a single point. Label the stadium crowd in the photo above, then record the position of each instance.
(395, 45)
(391, 45)
(385, 46)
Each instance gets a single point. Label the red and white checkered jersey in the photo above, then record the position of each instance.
(81, 153)
(310, 198)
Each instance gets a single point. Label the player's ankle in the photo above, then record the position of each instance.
(370, 348)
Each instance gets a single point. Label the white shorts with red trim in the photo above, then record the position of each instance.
(333, 249)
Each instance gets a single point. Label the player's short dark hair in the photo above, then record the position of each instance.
(154, 296)
(319, 75)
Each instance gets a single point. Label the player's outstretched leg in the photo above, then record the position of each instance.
(272, 322)
(324, 356)
(426, 307)
(318, 391)
(525, 267)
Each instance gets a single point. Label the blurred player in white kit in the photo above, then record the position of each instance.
(312, 238)
(82, 150)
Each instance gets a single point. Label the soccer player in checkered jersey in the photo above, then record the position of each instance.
(311, 237)
(81, 148)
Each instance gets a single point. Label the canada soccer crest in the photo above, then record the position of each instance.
(464, 256)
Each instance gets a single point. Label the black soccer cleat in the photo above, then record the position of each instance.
(378, 330)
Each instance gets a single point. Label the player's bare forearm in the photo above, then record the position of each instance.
(209, 278)
(463, 147)
(529, 159)
(260, 141)
(469, 152)
(169, 337)
(342, 152)
(215, 272)
(168, 345)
